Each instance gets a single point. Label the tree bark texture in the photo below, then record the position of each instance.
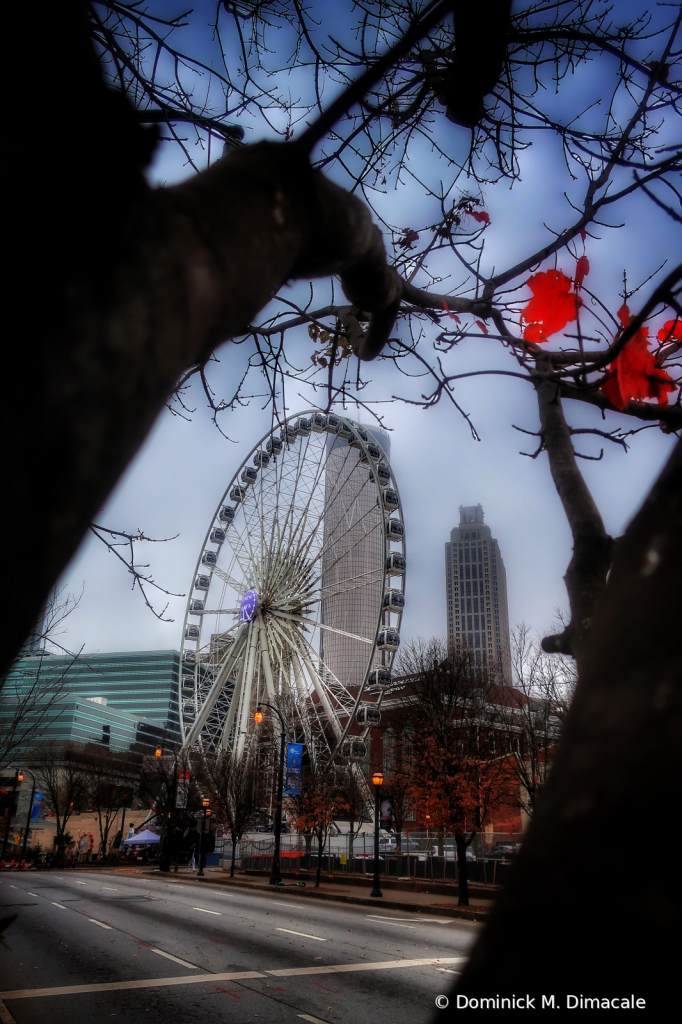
(582, 915)
(586, 574)
(119, 288)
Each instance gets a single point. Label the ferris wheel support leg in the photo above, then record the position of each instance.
(324, 700)
(265, 659)
(246, 693)
(232, 657)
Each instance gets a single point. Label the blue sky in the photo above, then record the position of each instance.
(176, 480)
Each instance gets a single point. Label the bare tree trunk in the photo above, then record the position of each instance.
(462, 870)
(320, 848)
(573, 898)
(586, 574)
(234, 852)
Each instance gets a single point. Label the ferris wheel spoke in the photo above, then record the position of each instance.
(322, 625)
(331, 540)
(330, 687)
(316, 493)
(340, 482)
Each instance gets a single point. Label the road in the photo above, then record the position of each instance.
(92, 947)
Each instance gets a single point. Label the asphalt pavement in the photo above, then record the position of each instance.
(92, 947)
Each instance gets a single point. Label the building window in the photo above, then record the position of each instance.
(106, 735)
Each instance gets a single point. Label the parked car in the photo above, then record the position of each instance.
(503, 851)
(450, 852)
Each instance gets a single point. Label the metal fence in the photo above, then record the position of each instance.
(405, 855)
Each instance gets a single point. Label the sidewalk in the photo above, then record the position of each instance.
(438, 904)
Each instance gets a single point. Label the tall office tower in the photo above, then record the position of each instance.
(476, 593)
(353, 560)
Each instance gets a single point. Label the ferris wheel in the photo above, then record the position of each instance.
(298, 592)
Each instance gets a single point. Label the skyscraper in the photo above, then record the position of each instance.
(352, 565)
(476, 593)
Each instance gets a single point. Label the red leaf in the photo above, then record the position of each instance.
(453, 316)
(623, 315)
(553, 305)
(482, 217)
(671, 331)
(634, 373)
(482, 326)
(581, 271)
(583, 234)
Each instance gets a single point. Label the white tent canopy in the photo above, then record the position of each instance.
(142, 838)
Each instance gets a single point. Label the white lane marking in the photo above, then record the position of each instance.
(304, 935)
(313, 1020)
(394, 924)
(118, 986)
(100, 923)
(175, 959)
(34, 894)
(446, 970)
(81, 883)
(379, 965)
(60, 905)
(296, 906)
(198, 979)
(207, 911)
(12, 886)
(109, 887)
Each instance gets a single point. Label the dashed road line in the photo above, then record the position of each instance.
(388, 920)
(201, 910)
(304, 935)
(175, 959)
(94, 920)
(313, 1020)
(60, 905)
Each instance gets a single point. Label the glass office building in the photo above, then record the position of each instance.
(131, 695)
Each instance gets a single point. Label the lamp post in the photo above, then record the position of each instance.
(28, 816)
(204, 820)
(276, 877)
(377, 779)
(165, 853)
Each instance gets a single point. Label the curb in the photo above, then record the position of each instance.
(463, 913)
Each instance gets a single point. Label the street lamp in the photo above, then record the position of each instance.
(276, 877)
(204, 803)
(377, 779)
(166, 851)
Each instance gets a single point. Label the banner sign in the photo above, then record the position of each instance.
(35, 806)
(293, 778)
(182, 789)
(386, 812)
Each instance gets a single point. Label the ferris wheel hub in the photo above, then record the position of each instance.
(249, 605)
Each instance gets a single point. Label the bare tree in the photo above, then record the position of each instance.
(231, 783)
(109, 780)
(458, 773)
(530, 716)
(318, 805)
(58, 769)
(31, 699)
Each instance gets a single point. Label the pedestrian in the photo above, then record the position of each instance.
(192, 864)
